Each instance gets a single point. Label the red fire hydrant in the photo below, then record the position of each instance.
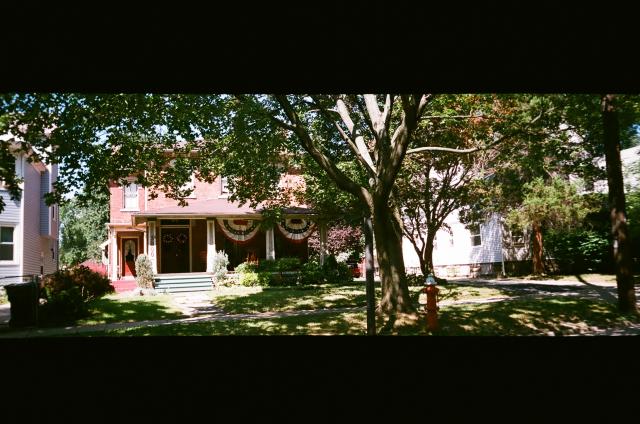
(432, 299)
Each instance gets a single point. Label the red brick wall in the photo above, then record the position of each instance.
(116, 215)
(202, 191)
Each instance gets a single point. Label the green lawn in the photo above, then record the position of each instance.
(117, 308)
(517, 317)
(244, 300)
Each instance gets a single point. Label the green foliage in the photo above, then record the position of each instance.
(83, 229)
(288, 264)
(551, 205)
(246, 267)
(578, 250)
(311, 273)
(633, 221)
(67, 293)
(144, 272)
(220, 263)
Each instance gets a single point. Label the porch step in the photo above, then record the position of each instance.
(183, 283)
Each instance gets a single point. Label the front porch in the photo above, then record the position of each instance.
(182, 248)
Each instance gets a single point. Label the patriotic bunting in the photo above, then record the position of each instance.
(239, 230)
(296, 229)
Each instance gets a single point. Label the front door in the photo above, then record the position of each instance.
(129, 255)
(174, 250)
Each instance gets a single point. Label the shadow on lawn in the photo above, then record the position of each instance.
(561, 316)
(106, 310)
(325, 324)
(278, 299)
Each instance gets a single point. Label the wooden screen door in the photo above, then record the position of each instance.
(129, 255)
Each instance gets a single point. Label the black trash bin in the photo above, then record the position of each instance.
(24, 298)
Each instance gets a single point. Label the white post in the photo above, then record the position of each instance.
(211, 243)
(151, 249)
(114, 255)
(270, 245)
(322, 229)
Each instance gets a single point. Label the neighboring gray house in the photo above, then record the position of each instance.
(481, 249)
(490, 246)
(28, 227)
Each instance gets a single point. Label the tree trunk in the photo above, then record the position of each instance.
(538, 264)
(369, 271)
(426, 261)
(619, 230)
(388, 240)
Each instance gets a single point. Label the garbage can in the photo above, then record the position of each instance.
(24, 299)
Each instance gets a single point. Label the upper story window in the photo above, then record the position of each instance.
(476, 238)
(224, 187)
(6, 243)
(130, 196)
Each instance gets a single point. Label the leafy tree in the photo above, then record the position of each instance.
(435, 183)
(83, 229)
(555, 205)
(97, 137)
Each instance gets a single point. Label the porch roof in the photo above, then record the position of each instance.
(210, 208)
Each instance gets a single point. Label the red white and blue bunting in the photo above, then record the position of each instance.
(296, 229)
(239, 230)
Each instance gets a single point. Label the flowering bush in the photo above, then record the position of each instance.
(220, 263)
(144, 272)
(341, 239)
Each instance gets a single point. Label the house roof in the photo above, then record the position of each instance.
(221, 207)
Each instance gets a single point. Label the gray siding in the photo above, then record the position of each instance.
(44, 209)
(31, 225)
(10, 215)
(11, 212)
(491, 248)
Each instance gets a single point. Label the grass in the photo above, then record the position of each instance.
(3, 296)
(245, 300)
(116, 308)
(518, 317)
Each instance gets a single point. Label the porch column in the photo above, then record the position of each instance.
(270, 246)
(151, 248)
(211, 243)
(113, 255)
(322, 233)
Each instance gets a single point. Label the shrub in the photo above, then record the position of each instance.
(578, 250)
(68, 291)
(252, 279)
(288, 264)
(220, 263)
(268, 265)
(249, 279)
(311, 273)
(144, 272)
(246, 267)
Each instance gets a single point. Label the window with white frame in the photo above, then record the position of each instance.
(476, 238)
(6, 243)
(130, 194)
(517, 237)
(224, 188)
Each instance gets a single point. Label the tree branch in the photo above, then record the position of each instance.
(363, 150)
(343, 181)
